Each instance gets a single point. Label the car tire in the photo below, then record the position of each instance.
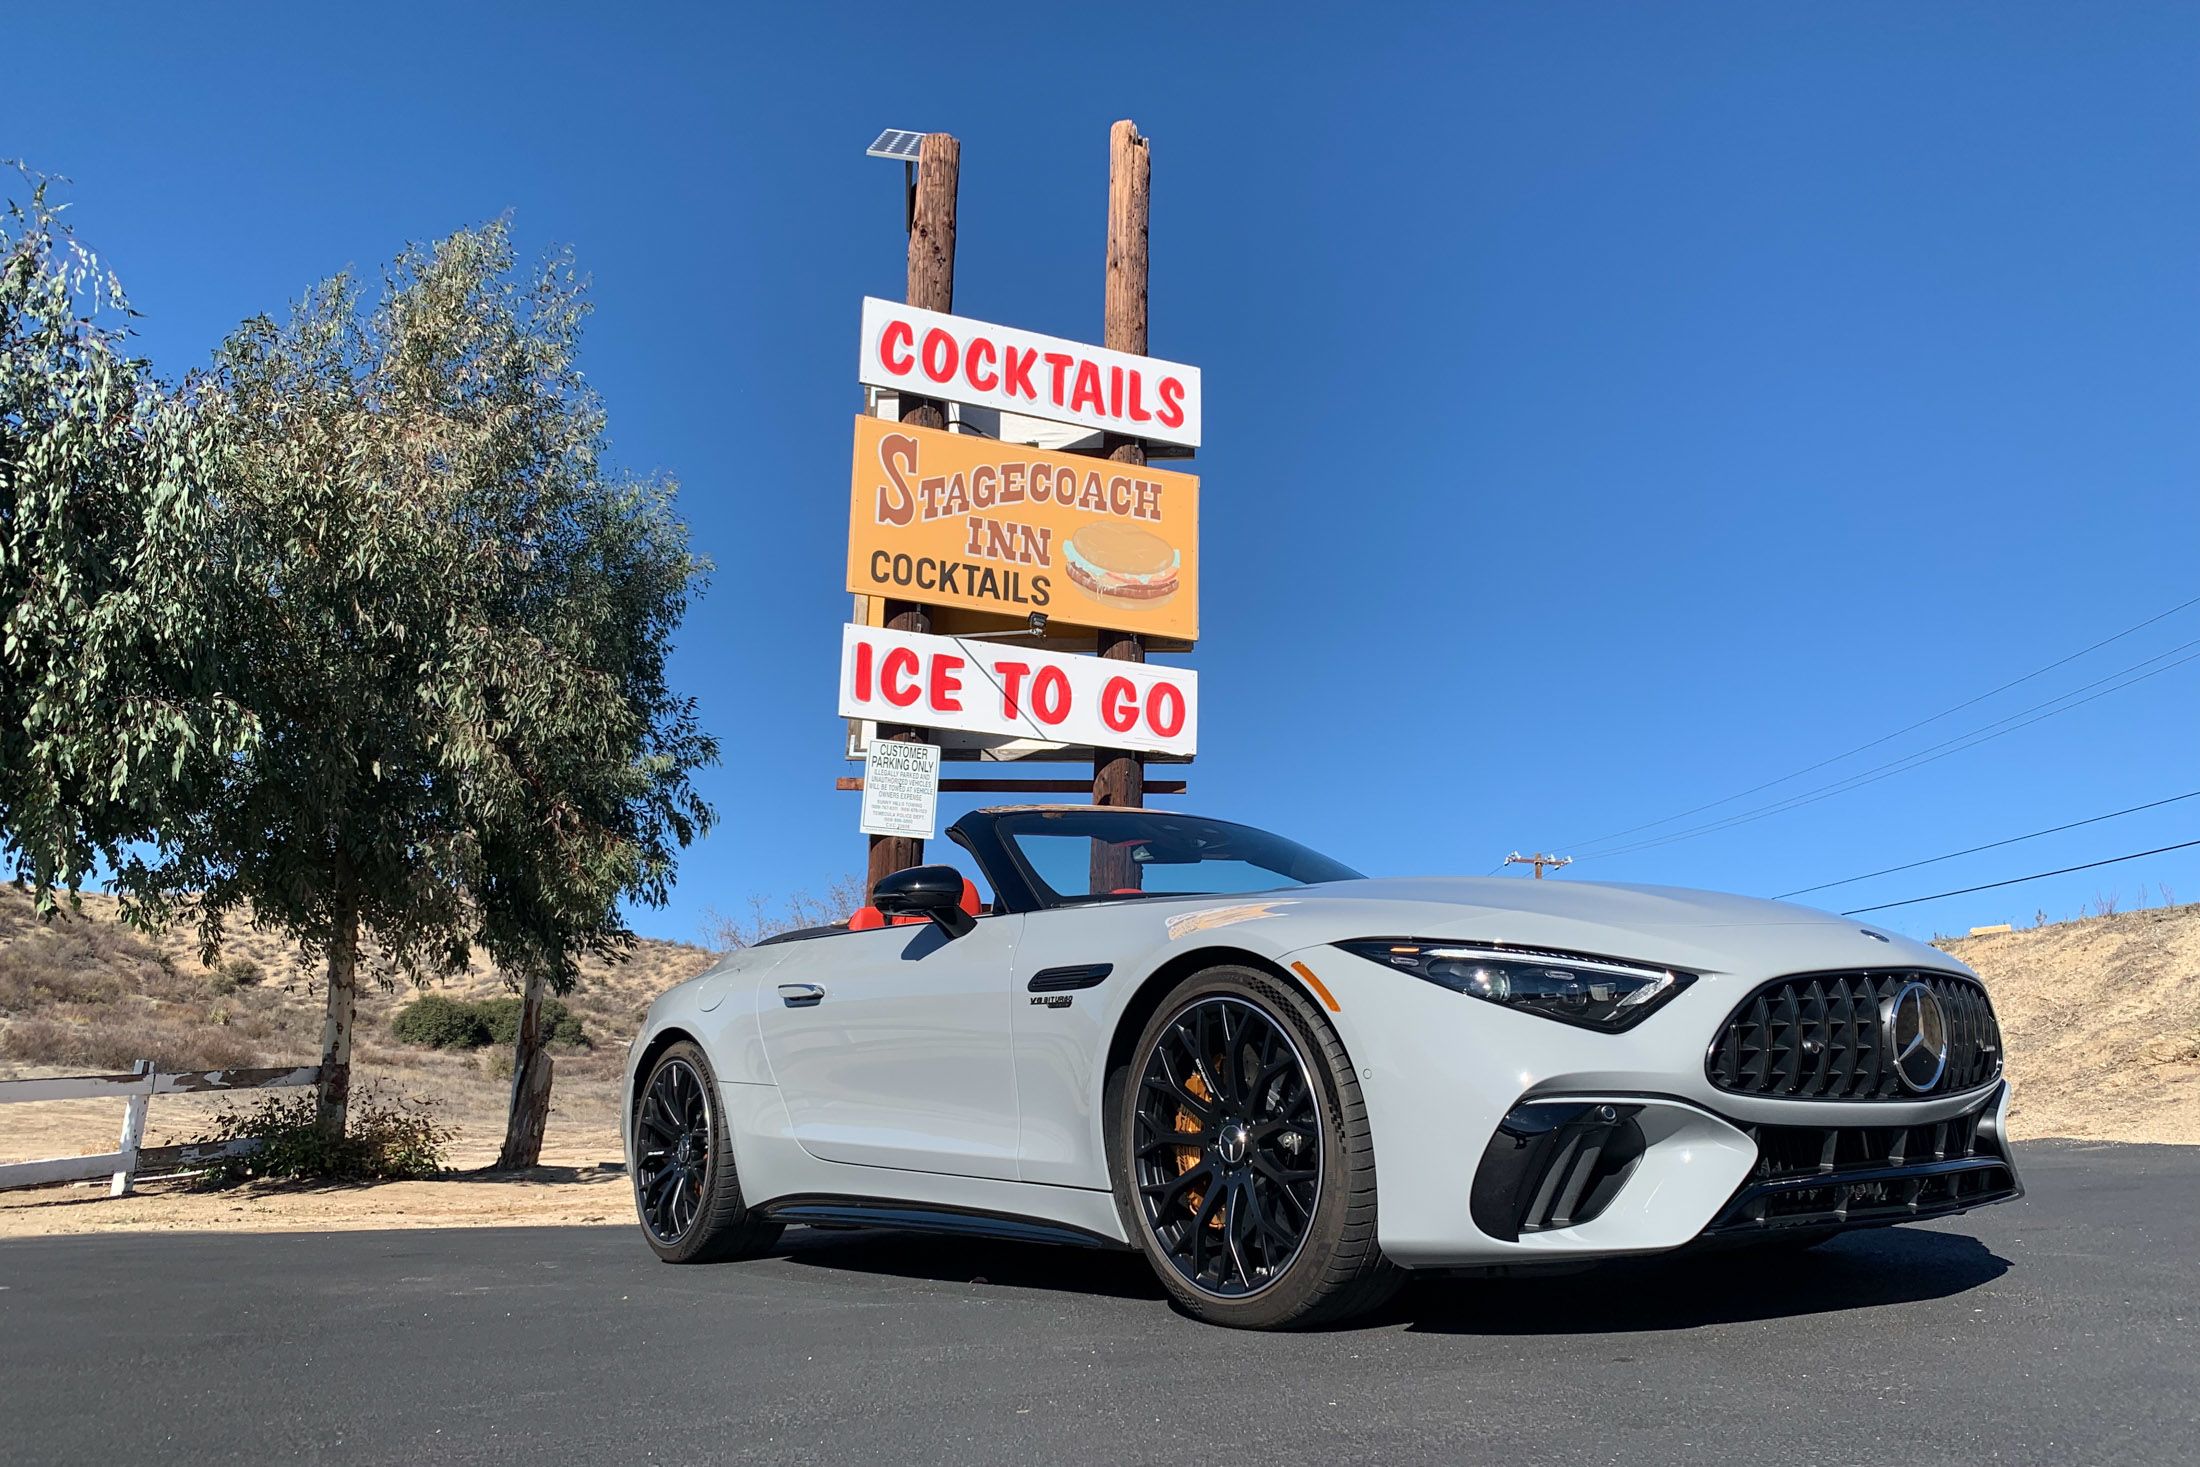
(687, 1194)
(1179, 1202)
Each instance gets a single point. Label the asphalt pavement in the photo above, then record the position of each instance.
(2060, 1328)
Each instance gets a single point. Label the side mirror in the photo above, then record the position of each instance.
(933, 892)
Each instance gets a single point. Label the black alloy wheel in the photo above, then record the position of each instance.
(686, 1191)
(673, 1151)
(1228, 1146)
(1243, 1160)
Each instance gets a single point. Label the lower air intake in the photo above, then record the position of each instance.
(1860, 1176)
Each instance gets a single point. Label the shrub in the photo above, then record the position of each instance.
(243, 972)
(440, 1023)
(455, 1023)
(383, 1143)
(560, 1025)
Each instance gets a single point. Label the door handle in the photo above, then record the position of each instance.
(801, 995)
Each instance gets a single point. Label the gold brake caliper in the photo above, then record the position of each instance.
(1187, 1157)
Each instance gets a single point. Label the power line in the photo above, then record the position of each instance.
(2020, 880)
(1898, 733)
(1989, 846)
(1931, 753)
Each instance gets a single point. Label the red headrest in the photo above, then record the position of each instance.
(867, 919)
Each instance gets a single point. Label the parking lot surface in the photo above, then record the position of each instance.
(2061, 1328)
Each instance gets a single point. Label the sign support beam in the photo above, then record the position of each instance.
(1119, 775)
(931, 288)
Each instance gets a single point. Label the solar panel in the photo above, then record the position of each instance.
(894, 143)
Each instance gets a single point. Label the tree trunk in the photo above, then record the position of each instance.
(529, 1114)
(332, 1096)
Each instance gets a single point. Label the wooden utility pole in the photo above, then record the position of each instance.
(932, 287)
(1119, 775)
(1539, 861)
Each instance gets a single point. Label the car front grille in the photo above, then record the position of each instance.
(1821, 1036)
(1856, 1176)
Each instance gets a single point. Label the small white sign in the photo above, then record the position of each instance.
(956, 359)
(901, 789)
(916, 679)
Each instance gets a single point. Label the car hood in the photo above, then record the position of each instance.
(1664, 924)
(1626, 906)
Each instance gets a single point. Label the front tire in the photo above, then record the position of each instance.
(686, 1192)
(1245, 1168)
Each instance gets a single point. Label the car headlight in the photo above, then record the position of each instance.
(1609, 994)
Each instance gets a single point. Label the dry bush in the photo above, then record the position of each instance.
(114, 1042)
(53, 966)
(768, 917)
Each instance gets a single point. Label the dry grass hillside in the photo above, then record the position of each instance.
(2101, 1019)
(83, 994)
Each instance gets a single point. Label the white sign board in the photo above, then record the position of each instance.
(901, 789)
(1002, 688)
(956, 359)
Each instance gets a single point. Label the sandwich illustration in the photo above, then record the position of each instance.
(1118, 562)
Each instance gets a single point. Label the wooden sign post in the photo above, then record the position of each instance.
(932, 288)
(1125, 559)
(1119, 775)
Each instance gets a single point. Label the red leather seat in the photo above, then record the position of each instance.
(866, 919)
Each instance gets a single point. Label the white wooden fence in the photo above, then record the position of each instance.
(130, 1158)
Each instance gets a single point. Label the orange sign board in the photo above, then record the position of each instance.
(949, 519)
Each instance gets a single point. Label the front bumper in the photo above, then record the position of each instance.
(1585, 1174)
(1503, 1138)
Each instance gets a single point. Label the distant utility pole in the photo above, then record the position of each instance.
(1539, 861)
(931, 286)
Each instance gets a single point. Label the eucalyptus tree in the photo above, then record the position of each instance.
(111, 696)
(451, 625)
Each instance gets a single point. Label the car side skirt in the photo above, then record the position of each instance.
(872, 1212)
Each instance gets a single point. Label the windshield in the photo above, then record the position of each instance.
(1104, 855)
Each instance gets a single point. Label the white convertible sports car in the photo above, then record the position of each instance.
(1286, 1084)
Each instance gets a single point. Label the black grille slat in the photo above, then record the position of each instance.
(1962, 1038)
(1816, 1036)
(1876, 1071)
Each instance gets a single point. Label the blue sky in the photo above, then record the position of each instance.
(1609, 407)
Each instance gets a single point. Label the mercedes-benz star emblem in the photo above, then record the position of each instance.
(1917, 1031)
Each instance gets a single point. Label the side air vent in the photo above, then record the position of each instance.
(1066, 979)
(1554, 1164)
